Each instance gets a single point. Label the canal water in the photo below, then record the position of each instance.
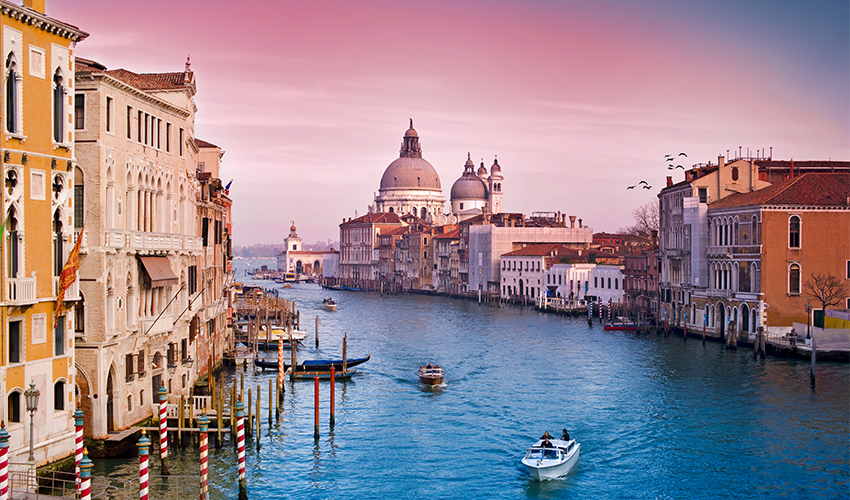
(656, 417)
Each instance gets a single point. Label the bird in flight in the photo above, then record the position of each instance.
(647, 186)
(631, 187)
(683, 154)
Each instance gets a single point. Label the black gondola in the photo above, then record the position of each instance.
(312, 365)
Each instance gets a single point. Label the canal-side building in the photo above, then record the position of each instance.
(683, 220)
(640, 278)
(477, 192)
(358, 246)
(210, 329)
(527, 273)
(491, 236)
(41, 223)
(144, 265)
(446, 246)
(763, 248)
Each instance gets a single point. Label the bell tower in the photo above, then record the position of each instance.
(495, 185)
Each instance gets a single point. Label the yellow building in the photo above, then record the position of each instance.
(38, 210)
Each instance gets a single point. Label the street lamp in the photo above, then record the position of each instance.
(808, 319)
(31, 396)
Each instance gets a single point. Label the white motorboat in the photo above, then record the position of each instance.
(329, 304)
(279, 332)
(551, 463)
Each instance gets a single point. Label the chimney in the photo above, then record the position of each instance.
(579, 224)
(36, 5)
(572, 221)
(669, 181)
(688, 176)
(721, 161)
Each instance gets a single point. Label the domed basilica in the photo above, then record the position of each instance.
(411, 185)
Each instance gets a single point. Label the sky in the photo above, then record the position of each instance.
(578, 100)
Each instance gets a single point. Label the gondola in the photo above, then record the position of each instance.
(312, 365)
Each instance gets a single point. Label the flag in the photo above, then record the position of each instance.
(68, 274)
(227, 188)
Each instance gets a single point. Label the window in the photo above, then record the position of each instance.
(58, 107)
(139, 126)
(158, 135)
(609, 283)
(14, 407)
(616, 284)
(794, 232)
(461, 205)
(595, 282)
(734, 173)
(147, 128)
(12, 242)
(140, 367)
(794, 279)
(79, 200)
(205, 227)
(15, 342)
(129, 122)
(59, 396)
(11, 95)
(180, 139)
(142, 398)
(167, 137)
(184, 349)
(59, 337)
(193, 279)
(703, 195)
(129, 402)
(79, 111)
(109, 114)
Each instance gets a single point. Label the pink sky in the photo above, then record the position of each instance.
(577, 99)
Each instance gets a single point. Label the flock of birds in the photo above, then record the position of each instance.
(669, 159)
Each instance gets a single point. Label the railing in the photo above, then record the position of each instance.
(153, 326)
(721, 294)
(154, 242)
(20, 291)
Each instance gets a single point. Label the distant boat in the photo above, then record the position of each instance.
(622, 324)
(329, 304)
(313, 365)
(431, 374)
(323, 375)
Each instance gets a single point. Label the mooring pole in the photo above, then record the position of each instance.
(317, 331)
(333, 380)
(240, 437)
(316, 410)
(203, 428)
(4, 462)
(78, 445)
(144, 445)
(163, 433)
(85, 476)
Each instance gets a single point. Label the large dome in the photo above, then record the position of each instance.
(410, 173)
(410, 170)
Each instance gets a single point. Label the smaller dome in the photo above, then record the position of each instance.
(495, 168)
(469, 186)
(482, 170)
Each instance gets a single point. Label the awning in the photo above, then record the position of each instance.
(159, 271)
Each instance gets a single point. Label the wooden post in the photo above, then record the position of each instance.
(180, 421)
(293, 356)
(814, 355)
(333, 380)
(271, 405)
(233, 412)
(259, 429)
(317, 331)
(212, 385)
(220, 417)
(242, 384)
(316, 410)
(344, 355)
(250, 424)
(276, 401)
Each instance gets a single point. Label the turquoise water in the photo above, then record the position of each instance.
(657, 417)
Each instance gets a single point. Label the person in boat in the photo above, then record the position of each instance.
(429, 366)
(546, 443)
(566, 436)
(546, 436)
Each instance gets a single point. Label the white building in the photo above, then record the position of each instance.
(606, 283)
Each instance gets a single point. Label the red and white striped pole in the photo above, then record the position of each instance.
(281, 365)
(4, 462)
(333, 382)
(240, 440)
(144, 445)
(203, 425)
(78, 444)
(163, 431)
(85, 476)
(316, 410)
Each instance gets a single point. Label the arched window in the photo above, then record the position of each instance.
(58, 107)
(13, 408)
(58, 260)
(734, 173)
(12, 243)
(11, 95)
(794, 232)
(59, 396)
(391, 210)
(423, 213)
(794, 279)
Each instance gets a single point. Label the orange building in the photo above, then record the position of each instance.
(764, 245)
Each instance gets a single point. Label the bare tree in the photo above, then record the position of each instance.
(646, 221)
(827, 288)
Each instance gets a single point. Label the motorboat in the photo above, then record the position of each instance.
(279, 332)
(313, 365)
(431, 374)
(551, 462)
(622, 323)
(329, 304)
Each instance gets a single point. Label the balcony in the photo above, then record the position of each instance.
(120, 240)
(719, 294)
(153, 326)
(20, 291)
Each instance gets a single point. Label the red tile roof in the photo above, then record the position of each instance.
(376, 218)
(544, 250)
(151, 81)
(811, 189)
(204, 144)
(451, 235)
